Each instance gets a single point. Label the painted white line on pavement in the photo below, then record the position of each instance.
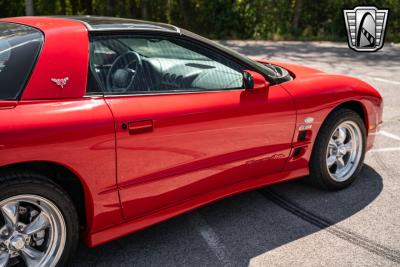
(390, 135)
(389, 149)
(383, 80)
(211, 238)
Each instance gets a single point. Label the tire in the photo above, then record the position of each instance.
(42, 201)
(328, 148)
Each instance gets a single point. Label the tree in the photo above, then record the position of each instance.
(29, 8)
(183, 9)
(296, 17)
(144, 9)
(88, 6)
(222, 19)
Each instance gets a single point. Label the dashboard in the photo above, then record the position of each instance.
(170, 74)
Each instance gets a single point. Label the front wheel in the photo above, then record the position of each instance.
(38, 222)
(339, 150)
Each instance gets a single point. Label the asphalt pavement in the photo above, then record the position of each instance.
(290, 224)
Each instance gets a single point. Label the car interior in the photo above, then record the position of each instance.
(138, 64)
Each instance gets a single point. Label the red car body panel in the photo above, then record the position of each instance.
(189, 146)
(144, 159)
(316, 92)
(64, 132)
(64, 54)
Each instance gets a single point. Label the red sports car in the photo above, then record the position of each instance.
(108, 126)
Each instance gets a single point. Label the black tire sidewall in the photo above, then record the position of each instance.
(33, 184)
(319, 173)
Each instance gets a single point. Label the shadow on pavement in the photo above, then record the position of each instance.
(234, 230)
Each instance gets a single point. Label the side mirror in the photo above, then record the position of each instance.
(254, 81)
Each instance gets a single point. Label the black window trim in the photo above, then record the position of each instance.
(161, 34)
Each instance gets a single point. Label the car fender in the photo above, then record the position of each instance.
(317, 94)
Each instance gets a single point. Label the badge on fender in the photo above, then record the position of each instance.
(60, 82)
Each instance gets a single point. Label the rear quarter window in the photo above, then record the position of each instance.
(19, 48)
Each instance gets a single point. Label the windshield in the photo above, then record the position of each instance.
(161, 48)
(269, 71)
(19, 47)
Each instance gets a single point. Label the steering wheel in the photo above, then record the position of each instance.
(123, 72)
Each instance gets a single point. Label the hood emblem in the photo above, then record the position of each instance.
(60, 82)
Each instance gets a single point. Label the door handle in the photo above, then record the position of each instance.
(138, 127)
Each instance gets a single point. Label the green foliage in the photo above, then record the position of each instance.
(225, 19)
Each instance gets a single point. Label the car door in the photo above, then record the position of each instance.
(184, 124)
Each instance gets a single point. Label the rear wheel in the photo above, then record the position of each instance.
(339, 150)
(38, 222)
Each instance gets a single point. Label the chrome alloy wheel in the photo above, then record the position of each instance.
(32, 229)
(344, 151)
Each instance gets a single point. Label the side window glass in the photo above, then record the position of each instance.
(138, 64)
(19, 48)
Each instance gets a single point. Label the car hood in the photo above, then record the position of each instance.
(309, 79)
(309, 83)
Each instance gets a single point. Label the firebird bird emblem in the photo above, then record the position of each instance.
(60, 82)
